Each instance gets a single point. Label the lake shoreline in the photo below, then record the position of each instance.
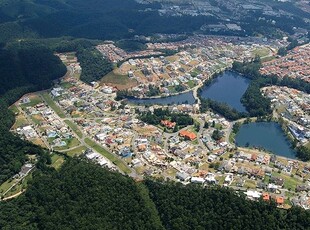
(269, 139)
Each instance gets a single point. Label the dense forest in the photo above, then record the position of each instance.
(82, 195)
(221, 108)
(28, 64)
(193, 207)
(181, 119)
(94, 65)
(303, 153)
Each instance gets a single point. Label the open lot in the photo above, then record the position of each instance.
(121, 82)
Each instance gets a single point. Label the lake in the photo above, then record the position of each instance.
(183, 98)
(229, 88)
(267, 135)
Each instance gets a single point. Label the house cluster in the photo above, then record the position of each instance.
(28, 132)
(80, 100)
(70, 60)
(302, 200)
(51, 128)
(25, 170)
(200, 58)
(99, 159)
(296, 64)
(294, 106)
(116, 54)
(238, 9)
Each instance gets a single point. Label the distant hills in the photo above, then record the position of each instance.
(118, 19)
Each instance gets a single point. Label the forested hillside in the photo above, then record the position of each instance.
(192, 207)
(28, 64)
(94, 66)
(80, 196)
(84, 196)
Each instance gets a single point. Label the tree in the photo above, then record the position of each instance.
(282, 51)
(216, 135)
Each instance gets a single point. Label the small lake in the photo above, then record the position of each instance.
(229, 88)
(183, 98)
(267, 135)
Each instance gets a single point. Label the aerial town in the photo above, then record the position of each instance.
(85, 120)
(199, 58)
(296, 64)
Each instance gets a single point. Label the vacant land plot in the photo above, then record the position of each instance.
(38, 141)
(20, 120)
(14, 109)
(121, 82)
(37, 119)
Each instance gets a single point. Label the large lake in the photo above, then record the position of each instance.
(183, 98)
(229, 88)
(267, 135)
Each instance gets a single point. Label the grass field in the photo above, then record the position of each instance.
(53, 105)
(74, 128)
(34, 100)
(66, 85)
(14, 109)
(119, 81)
(232, 137)
(250, 184)
(6, 185)
(191, 84)
(57, 161)
(20, 186)
(121, 165)
(76, 152)
(38, 141)
(265, 59)
(289, 182)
